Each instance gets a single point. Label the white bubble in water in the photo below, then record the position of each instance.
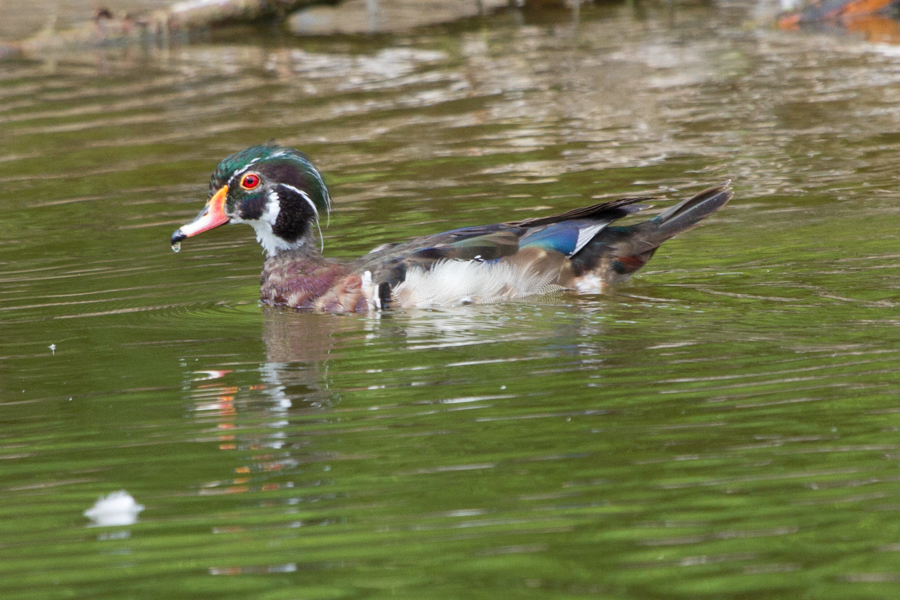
(119, 508)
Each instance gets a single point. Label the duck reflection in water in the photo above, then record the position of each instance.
(264, 408)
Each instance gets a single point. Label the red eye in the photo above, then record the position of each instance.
(250, 181)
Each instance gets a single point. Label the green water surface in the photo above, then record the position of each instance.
(725, 426)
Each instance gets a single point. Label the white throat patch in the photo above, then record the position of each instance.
(263, 227)
(270, 242)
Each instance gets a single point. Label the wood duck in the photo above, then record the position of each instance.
(280, 193)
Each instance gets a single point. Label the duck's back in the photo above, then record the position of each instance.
(579, 250)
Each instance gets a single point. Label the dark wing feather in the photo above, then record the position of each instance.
(487, 246)
(605, 211)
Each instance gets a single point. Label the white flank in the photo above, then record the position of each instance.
(455, 282)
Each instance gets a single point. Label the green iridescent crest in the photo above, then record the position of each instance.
(277, 163)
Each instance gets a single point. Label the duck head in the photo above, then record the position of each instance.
(276, 190)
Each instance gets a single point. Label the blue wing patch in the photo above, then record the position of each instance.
(568, 237)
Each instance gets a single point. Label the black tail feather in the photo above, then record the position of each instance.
(617, 252)
(685, 215)
(649, 235)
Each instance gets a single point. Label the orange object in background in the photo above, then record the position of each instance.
(834, 11)
(871, 18)
(876, 28)
(864, 7)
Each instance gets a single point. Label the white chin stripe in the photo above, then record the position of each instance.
(270, 242)
(273, 207)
